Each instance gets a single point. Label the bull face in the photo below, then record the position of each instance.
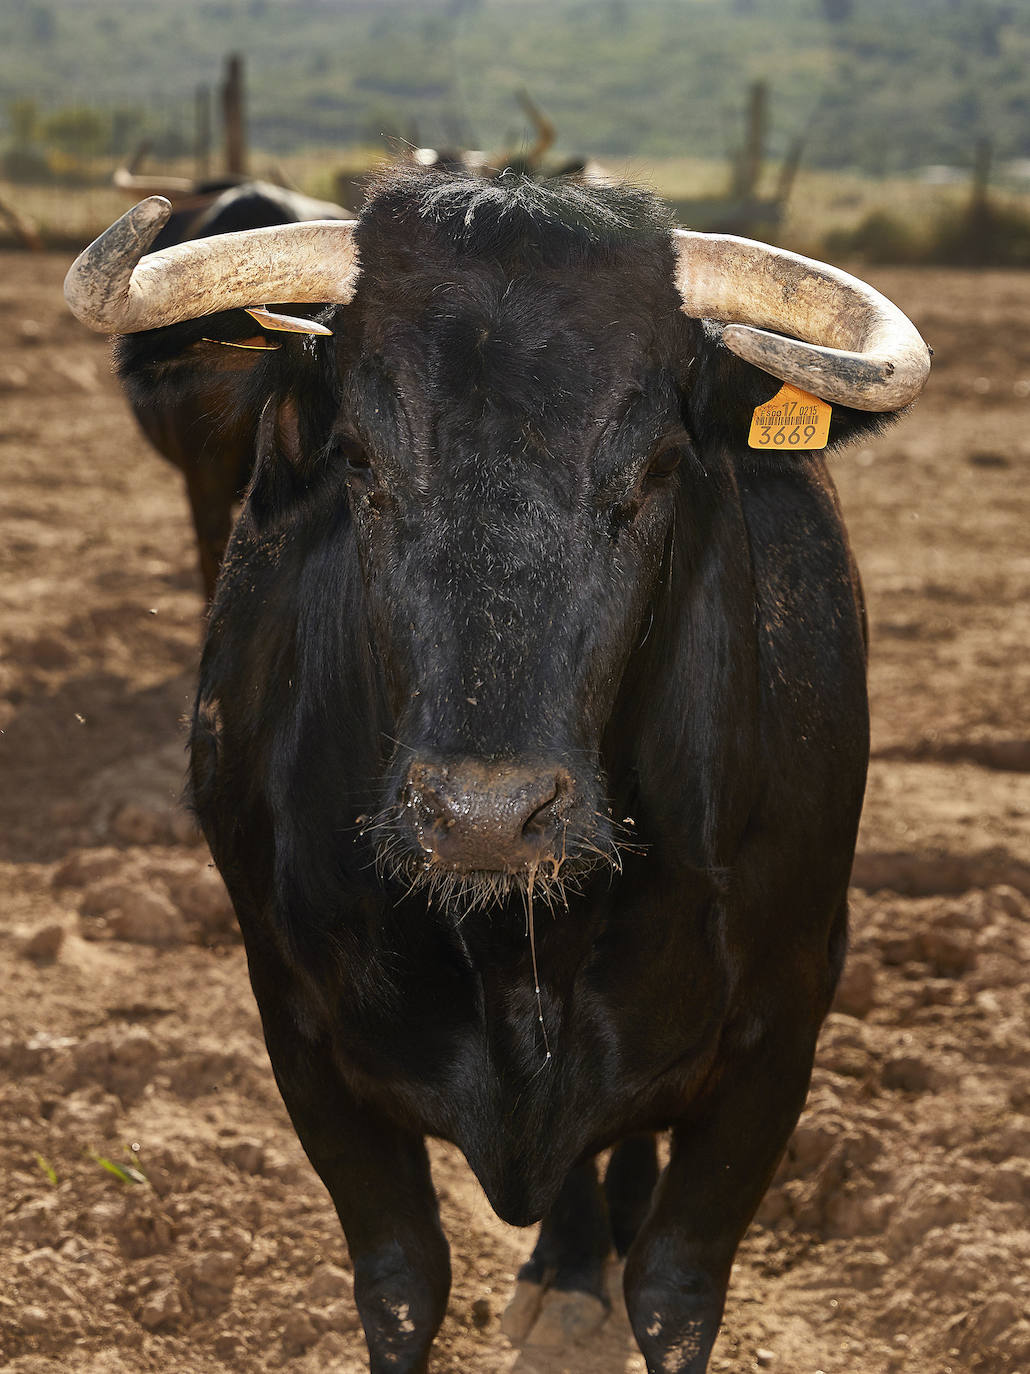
(511, 538)
(509, 443)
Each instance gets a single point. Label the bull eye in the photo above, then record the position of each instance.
(353, 456)
(667, 458)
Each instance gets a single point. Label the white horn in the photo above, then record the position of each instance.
(850, 344)
(113, 288)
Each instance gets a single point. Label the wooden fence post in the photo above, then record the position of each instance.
(202, 133)
(233, 116)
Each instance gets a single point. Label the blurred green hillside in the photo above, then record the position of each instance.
(880, 86)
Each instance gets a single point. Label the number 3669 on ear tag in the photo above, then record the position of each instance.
(792, 419)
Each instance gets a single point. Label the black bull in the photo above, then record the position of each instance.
(530, 741)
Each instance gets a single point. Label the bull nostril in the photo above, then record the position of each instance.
(544, 817)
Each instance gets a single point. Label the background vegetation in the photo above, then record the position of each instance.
(879, 86)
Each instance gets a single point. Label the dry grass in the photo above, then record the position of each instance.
(821, 203)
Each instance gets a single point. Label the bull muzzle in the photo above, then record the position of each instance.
(472, 816)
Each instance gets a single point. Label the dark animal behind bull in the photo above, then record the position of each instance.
(214, 449)
(507, 575)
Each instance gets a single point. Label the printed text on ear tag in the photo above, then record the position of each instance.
(792, 419)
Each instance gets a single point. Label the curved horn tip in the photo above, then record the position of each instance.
(99, 277)
(864, 382)
(152, 212)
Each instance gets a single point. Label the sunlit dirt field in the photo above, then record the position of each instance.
(896, 1238)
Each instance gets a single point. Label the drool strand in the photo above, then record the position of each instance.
(532, 955)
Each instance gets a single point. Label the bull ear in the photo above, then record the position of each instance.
(278, 432)
(723, 392)
(277, 482)
(293, 430)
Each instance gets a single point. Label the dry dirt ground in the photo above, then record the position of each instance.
(895, 1239)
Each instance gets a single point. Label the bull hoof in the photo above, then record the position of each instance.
(523, 1310)
(566, 1319)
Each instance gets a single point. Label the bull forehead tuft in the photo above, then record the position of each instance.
(434, 232)
(557, 219)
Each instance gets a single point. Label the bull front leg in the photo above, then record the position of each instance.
(378, 1177)
(722, 1161)
(561, 1296)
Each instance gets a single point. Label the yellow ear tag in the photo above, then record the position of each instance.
(792, 419)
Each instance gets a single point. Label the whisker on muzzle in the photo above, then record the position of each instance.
(461, 894)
